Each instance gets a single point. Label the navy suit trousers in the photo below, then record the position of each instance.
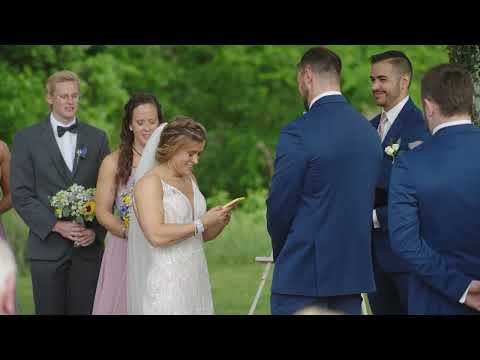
(289, 304)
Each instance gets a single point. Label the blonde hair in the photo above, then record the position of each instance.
(176, 134)
(58, 77)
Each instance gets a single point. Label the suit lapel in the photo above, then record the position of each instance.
(375, 121)
(81, 141)
(394, 132)
(54, 151)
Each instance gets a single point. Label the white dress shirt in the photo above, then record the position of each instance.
(450, 123)
(67, 143)
(392, 115)
(318, 97)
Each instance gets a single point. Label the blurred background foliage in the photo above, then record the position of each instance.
(242, 94)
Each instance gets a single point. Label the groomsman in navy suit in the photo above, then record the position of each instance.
(400, 122)
(434, 202)
(319, 210)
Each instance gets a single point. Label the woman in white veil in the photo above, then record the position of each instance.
(167, 268)
(139, 249)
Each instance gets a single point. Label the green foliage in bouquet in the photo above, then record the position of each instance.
(76, 203)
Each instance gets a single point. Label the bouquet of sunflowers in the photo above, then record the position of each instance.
(124, 207)
(76, 203)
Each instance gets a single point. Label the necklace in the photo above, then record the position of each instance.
(139, 154)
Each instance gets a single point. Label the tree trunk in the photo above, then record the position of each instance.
(469, 55)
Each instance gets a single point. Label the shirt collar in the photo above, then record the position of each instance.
(392, 114)
(318, 97)
(56, 123)
(450, 123)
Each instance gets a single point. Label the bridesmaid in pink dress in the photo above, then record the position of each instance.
(142, 115)
(6, 201)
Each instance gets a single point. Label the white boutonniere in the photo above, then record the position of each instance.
(393, 149)
(82, 152)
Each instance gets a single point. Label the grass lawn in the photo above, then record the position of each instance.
(233, 288)
(25, 296)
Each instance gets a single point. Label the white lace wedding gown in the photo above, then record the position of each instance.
(178, 280)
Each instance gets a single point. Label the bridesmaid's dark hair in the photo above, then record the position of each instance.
(125, 159)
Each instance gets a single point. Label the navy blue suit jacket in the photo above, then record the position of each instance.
(434, 223)
(409, 127)
(319, 211)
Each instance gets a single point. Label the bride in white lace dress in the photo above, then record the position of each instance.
(167, 269)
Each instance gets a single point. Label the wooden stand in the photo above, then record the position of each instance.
(263, 260)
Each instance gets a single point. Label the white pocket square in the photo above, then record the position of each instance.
(414, 144)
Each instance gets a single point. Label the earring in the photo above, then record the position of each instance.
(131, 129)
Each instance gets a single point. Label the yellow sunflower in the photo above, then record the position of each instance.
(89, 208)
(127, 200)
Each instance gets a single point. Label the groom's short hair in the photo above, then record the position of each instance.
(58, 77)
(450, 86)
(398, 59)
(322, 60)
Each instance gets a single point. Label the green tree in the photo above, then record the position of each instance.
(243, 94)
(469, 55)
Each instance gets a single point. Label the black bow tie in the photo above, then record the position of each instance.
(62, 130)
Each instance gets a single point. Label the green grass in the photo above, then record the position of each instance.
(234, 275)
(25, 295)
(233, 289)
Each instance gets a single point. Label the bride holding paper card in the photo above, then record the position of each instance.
(167, 269)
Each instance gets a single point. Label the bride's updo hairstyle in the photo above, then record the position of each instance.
(176, 134)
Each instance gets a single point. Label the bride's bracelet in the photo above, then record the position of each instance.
(198, 227)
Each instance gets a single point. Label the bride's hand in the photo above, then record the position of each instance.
(216, 216)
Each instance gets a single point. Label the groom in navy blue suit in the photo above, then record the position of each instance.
(400, 122)
(434, 202)
(319, 210)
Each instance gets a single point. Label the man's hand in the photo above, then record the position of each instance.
(473, 296)
(86, 238)
(69, 229)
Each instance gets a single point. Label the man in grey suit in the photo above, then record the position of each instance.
(65, 257)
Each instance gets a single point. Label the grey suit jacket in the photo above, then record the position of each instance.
(39, 171)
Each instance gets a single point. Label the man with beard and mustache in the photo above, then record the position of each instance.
(400, 122)
(319, 210)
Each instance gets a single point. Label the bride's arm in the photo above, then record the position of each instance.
(212, 232)
(148, 193)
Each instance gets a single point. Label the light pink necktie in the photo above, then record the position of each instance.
(381, 125)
